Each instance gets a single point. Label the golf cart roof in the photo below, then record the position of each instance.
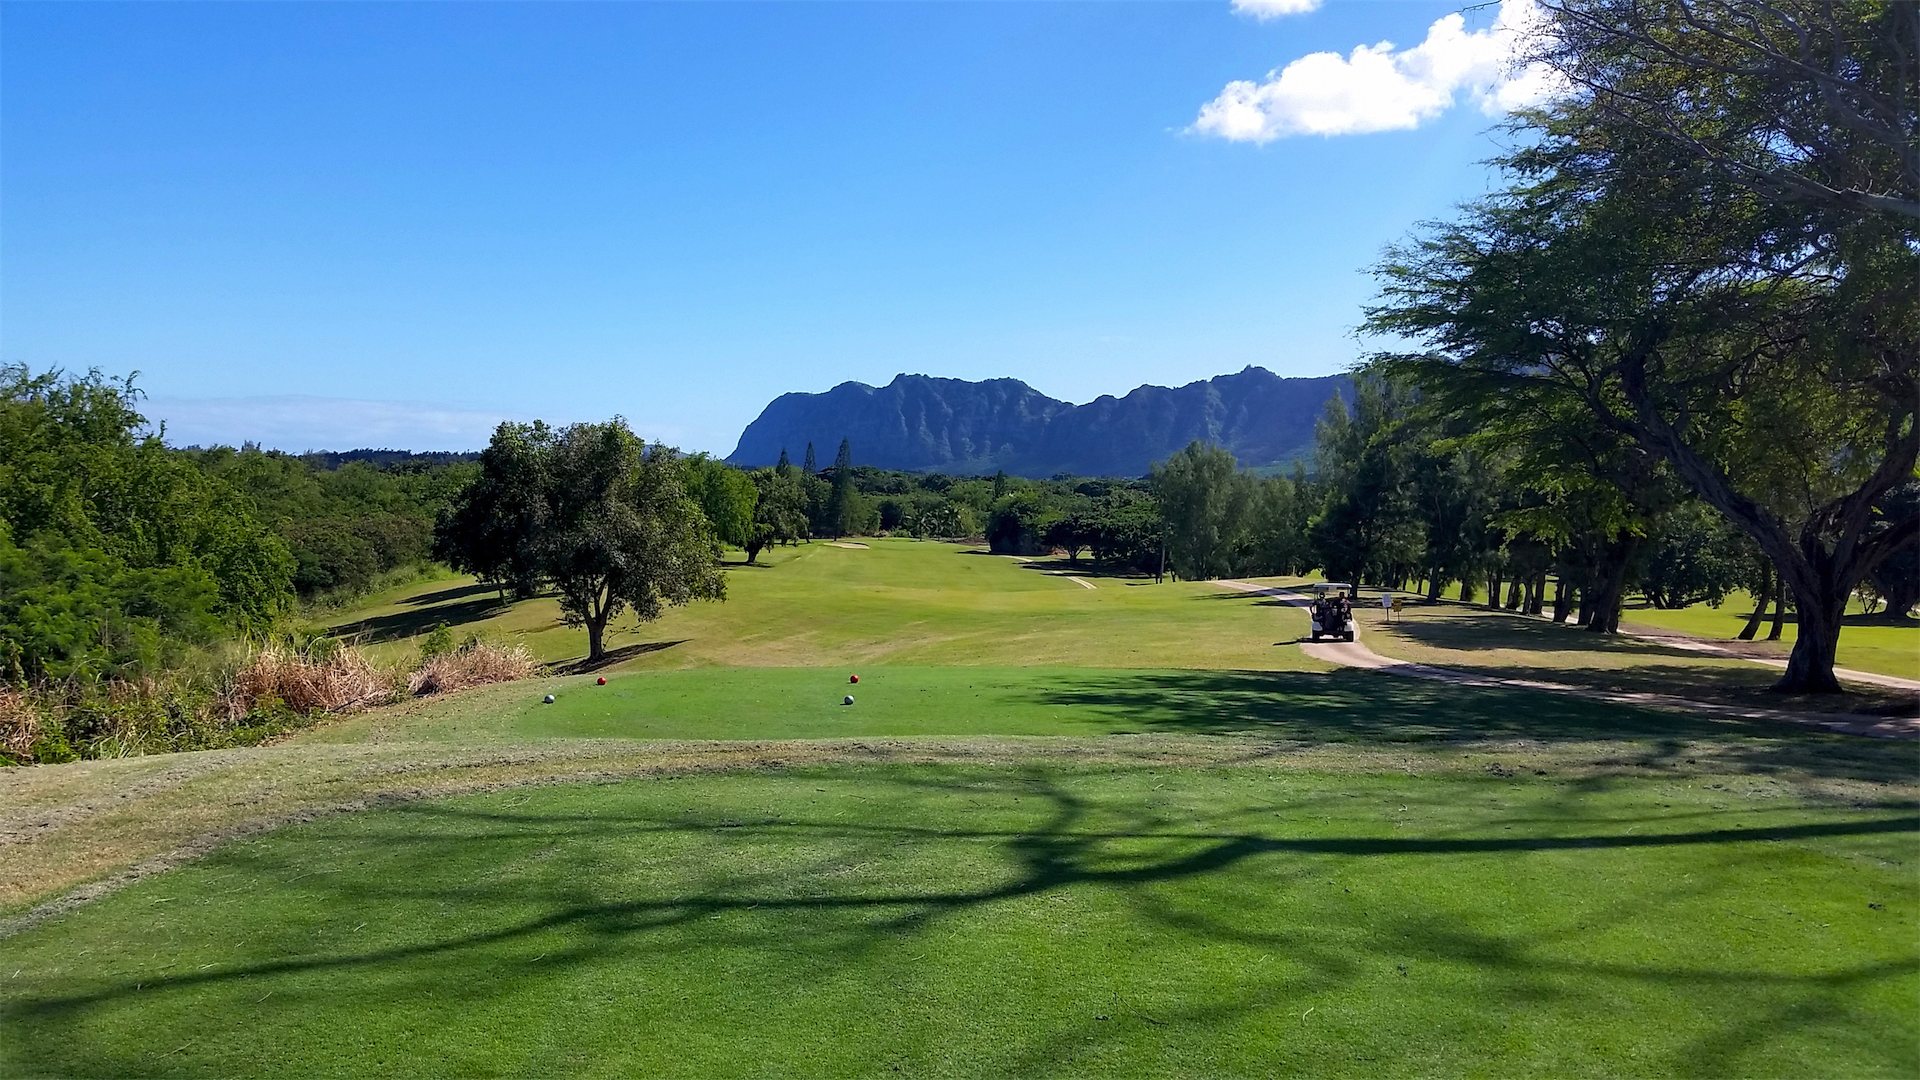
(1333, 585)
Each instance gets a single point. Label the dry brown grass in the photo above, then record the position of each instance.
(475, 665)
(307, 682)
(19, 724)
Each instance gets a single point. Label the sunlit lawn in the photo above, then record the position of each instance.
(1012, 921)
(1113, 831)
(898, 602)
(1876, 643)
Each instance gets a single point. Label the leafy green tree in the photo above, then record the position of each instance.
(1804, 102)
(1758, 337)
(621, 532)
(726, 495)
(70, 612)
(1897, 578)
(1276, 538)
(1207, 503)
(592, 512)
(843, 509)
(152, 547)
(1369, 527)
(1019, 521)
(1693, 556)
(488, 528)
(779, 513)
(345, 522)
(1127, 529)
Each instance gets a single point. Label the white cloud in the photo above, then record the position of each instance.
(1381, 88)
(1273, 9)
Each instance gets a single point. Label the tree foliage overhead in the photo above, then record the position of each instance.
(1681, 253)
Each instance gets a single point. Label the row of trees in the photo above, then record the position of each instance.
(349, 522)
(1676, 352)
(120, 555)
(1698, 280)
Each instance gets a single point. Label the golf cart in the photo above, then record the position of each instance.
(1325, 611)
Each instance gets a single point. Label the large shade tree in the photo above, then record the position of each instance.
(1688, 250)
(591, 511)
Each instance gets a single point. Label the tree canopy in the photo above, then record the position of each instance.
(590, 511)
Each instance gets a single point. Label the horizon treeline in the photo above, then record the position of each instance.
(119, 555)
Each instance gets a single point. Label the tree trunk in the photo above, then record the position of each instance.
(1833, 550)
(1752, 628)
(1610, 588)
(1539, 602)
(1779, 616)
(1514, 589)
(1434, 588)
(1562, 599)
(1817, 637)
(1467, 591)
(1493, 592)
(596, 638)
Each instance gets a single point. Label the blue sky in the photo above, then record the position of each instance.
(363, 224)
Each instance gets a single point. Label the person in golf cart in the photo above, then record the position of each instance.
(1332, 611)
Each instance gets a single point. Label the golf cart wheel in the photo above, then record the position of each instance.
(1316, 635)
(1349, 635)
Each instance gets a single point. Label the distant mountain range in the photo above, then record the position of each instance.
(927, 424)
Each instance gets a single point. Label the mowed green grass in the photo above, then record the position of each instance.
(1114, 831)
(909, 702)
(1011, 921)
(1875, 643)
(896, 601)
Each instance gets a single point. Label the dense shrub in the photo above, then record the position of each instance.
(118, 554)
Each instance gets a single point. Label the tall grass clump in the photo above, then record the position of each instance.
(474, 664)
(241, 698)
(324, 677)
(19, 725)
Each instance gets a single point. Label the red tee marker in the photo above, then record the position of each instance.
(853, 678)
(601, 681)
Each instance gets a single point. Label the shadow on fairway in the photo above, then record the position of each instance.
(1364, 706)
(1499, 631)
(1361, 706)
(610, 657)
(1246, 877)
(404, 624)
(457, 592)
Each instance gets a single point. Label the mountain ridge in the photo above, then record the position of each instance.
(926, 423)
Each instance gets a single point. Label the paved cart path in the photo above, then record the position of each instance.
(1356, 654)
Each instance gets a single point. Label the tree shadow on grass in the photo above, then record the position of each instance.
(457, 592)
(807, 891)
(1369, 707)
(1736, 618)
(1085, 568)
(410, 623)
(583, 665)
(1500, 631)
